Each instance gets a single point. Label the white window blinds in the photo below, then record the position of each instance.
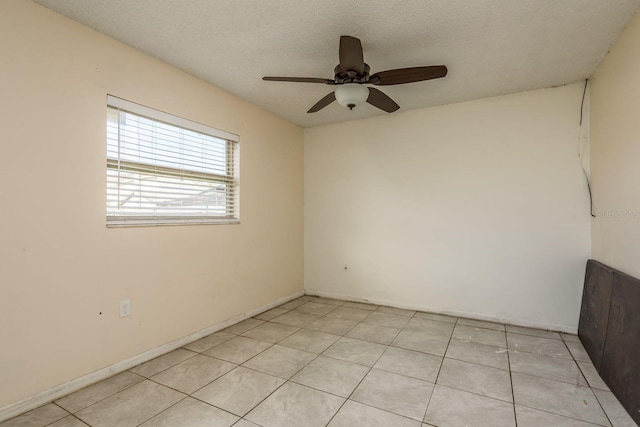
(162, 169)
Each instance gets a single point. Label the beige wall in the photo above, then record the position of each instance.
(615, 154)
(477, 208)
(59, 264)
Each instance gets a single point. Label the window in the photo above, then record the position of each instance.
(163, 169)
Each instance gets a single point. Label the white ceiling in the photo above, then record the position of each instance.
(491, 47)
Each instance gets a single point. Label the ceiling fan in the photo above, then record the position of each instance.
(352, 74)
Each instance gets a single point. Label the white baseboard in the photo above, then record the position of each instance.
(46, 396)
(457, 313)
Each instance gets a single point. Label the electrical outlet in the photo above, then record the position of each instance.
(125, 308)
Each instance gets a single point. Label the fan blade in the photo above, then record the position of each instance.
(379, 99)
(408, 75)
(323, 103)
(351, 55)
(299, 80)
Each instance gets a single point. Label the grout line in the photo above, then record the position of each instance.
(513, 395)
(105, 398)
(559, 415)
(588, 384)
(52, 422)
(475, 393)
(80, 420)
(195, 353)
(166, 409)
(440, 369)
(383, 410)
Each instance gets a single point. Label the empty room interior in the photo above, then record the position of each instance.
(226, 213)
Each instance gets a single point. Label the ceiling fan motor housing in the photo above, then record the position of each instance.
(350, 76)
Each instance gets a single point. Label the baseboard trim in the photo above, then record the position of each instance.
(49, 395)
(457, 313)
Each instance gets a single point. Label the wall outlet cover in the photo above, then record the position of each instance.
(125, 308)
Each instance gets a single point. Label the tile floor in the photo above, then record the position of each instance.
(317, 362)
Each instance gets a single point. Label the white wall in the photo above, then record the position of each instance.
(615, 154)
(478, 208)
(62, 272)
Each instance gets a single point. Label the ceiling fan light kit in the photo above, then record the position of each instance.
(351, 74)
(351, 95)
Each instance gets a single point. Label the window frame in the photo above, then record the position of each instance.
(232, 165)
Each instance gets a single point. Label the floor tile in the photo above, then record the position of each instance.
(536, 345)
(96, 392)
(331, 375)
(453, 408)
(163, 362)
(552, 368)
(69, 421)
(398, 311)
(39, 417)
(560, 398)
(355, 351)
(483, 380)
(271, 332)
(207, 342)
(132, 406)
(434, 327)
(238, 350)
(578, 352)
(615, 411)
(296, 318)
(245, 423)
(292, 304)
(480, 354)
(481, 324)
(193, 373)
(533, 332)
(570, 337)
(244, 326)
(410, 363)
(475, 383)
(239, 391)
(294, 405)
(528, 417)
(373, 333)
(192, 413)
(332, 325)
(593, 377)
(362, 305)
(479, 335)
(421, 341)
(350, 313)
(437, 317)
(330, 301)
(386, 319)
(309, 340)
(280, 361)
(271, 314)
(357, 414)
(316, 308)
(394, 393)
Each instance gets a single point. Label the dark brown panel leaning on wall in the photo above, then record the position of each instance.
(620, 367)
(610, 331)
(594, 312)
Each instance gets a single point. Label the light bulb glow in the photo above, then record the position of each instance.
(351, 95)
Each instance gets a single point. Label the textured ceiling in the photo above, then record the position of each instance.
(491, 47)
